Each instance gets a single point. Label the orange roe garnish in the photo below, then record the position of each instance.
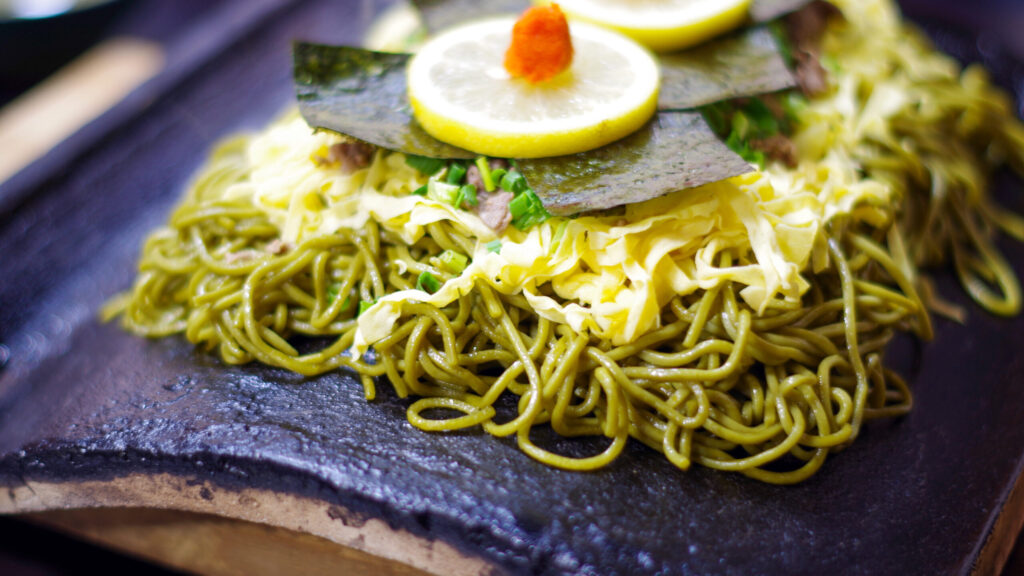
(541, 47)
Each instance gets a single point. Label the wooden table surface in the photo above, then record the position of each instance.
(28, 549)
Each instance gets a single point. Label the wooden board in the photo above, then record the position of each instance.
(215, 545)
(93, 417)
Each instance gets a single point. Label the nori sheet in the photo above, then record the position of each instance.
(746, 63)
(644, 165)
(361, 93)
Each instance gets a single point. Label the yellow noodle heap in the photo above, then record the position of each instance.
(741, 325)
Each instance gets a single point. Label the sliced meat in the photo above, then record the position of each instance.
(771, 101)
(807, 25)
(352, 155)
(245, 255)
(492, 208)
(805, 28)
(810, 74)
(474, 177)
(278, 247)
(275, 247)
(777, 147)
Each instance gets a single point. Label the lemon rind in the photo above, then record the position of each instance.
(521, 145)
(511, 139)
(665, 34)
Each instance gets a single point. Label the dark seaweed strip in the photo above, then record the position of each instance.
(645, 165)
(768, 10)
(746, 63)
(441, 14)
(362, 94)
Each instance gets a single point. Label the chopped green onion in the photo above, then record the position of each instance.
(559, 234)
(364, 306)
(742, 147)
(764, 119)
(527, 210)
(456, 172)
(494, 246)
(793, 104)
(513, 182)
(332, 292)
(332, 295)
(447, 193)
(485, 173)
(466, 197)
(424, 165)
(452, 261)
(740, 125)
(496, 175)
(755, 157)
(715, 115)
(781, 36)
(421, 191)
(830, 63)
(428, 283)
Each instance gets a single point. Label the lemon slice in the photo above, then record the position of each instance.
(661, 25)
(461, 93)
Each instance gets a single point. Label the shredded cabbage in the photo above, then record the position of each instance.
(613, 275)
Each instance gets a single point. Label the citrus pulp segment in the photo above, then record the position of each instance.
(461, 93)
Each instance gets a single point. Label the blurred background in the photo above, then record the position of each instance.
(65, 62)
(37, 37)
(69, 61)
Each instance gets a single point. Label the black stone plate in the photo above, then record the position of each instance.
(82, 402)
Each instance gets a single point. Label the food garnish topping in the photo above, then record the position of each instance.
(541, 46)
(666, 25)
(461, 91)
(466, 109)
(740, 325)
